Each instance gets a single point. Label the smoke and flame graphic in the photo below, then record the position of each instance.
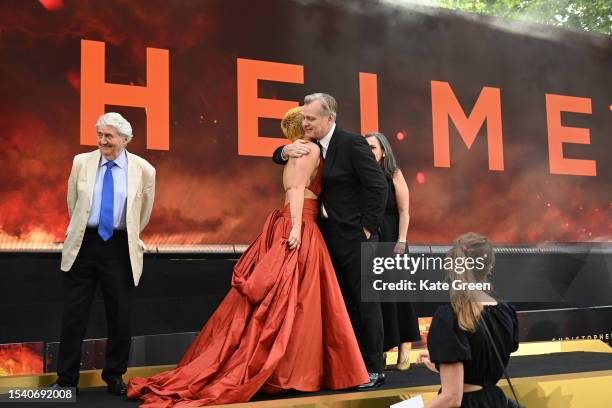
(208, 194)
(21, 358)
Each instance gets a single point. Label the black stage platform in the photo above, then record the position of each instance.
(520, 367)
(180, 290)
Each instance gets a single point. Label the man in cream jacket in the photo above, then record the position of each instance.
(110, 197)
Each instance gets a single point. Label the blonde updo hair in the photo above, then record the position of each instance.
(292, 124)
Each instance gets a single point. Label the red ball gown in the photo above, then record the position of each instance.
(283, 325)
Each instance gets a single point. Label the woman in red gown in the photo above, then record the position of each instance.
(283, 325)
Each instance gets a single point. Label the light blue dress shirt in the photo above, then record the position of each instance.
(120, 188)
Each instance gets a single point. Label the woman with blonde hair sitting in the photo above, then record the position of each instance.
(467, 336)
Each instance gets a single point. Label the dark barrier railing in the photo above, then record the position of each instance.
(181, 289)
(231, 250)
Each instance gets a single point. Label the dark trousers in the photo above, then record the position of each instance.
(366, 317)
(108, 263)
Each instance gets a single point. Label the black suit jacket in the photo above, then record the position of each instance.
(354, 188)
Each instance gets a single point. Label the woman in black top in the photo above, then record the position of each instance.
(401, 324)
(459, 348)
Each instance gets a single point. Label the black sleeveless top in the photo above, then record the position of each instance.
(389, 228)
(391, 207)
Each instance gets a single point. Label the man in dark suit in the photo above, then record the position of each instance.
(353, 198)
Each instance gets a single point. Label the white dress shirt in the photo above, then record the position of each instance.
(324, 142)
(120, 189)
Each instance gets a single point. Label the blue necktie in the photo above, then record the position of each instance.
(105, 224)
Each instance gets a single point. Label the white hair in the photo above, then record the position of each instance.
(117, 121)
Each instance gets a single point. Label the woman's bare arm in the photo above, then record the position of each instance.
(451, 377)
(403, 206)
(297, 176)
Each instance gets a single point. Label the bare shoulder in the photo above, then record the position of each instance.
(398, 176)
(399, 182)
(314, 148)
(310, 159)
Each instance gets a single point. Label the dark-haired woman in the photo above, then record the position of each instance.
(400, 321)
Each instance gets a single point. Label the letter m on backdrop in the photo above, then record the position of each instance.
(487, 107)
(154, 97)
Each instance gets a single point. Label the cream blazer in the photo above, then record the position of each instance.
(140, 195)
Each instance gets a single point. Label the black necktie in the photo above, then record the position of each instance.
(320, 149)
